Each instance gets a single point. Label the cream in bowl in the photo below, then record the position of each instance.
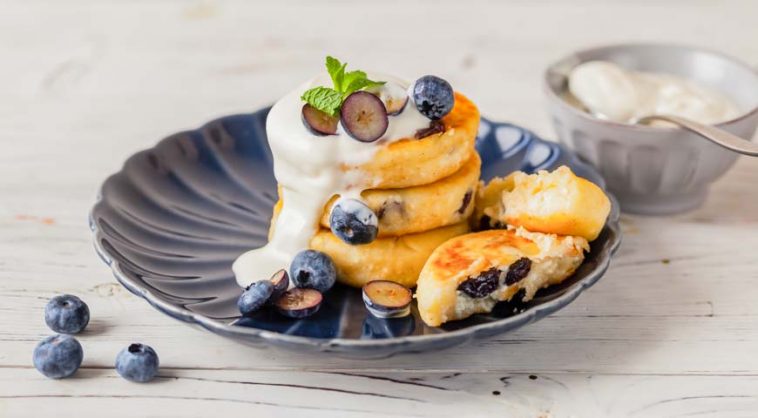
(609, 91)
(596, 95)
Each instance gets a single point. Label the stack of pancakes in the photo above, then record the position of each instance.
(422, 191)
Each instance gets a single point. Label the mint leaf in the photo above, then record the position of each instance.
(358, 84)
(324, 99)
(336, 71)
(329, 100)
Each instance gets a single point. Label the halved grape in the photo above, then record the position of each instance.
(386, 299)
(319, 122)
(394, 97)
(281, 282)
(364, 116)
(299, 303)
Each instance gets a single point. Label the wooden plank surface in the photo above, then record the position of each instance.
(672, 330)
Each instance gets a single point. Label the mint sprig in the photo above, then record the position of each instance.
(329, 100)
(324, 99)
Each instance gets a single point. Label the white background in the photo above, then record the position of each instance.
(672, 330)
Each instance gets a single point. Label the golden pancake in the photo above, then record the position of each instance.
(421, 208)
(398, 259)
(412, 162)
(556, 202)
(470, 273)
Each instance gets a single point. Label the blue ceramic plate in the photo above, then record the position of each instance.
(173, 220)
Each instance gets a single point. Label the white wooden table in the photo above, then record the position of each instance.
(672, 330)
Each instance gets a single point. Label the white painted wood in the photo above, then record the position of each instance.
(671, 331)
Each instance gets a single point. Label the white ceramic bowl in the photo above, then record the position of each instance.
(655, 170)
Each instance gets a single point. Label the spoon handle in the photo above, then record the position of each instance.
(715, 135)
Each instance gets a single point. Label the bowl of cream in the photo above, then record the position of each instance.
(596, 95)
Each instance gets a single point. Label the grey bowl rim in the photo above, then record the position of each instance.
(554, 97)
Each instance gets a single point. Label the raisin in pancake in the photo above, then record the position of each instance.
(398, 259)
(421, 208)
(412, 162)
(470, 273)
(556, 202)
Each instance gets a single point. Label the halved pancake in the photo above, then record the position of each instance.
(412, 162)
(421, 208)
(557, 202)
(398, 259)
(470, 273)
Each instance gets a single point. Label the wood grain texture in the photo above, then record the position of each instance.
(672, 330)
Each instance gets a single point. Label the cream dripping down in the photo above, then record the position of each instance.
(308, 168)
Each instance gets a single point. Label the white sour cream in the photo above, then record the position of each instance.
(310, 170)
(609, 91)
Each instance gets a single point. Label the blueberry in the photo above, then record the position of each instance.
(353, 222)
(138, 363)
(58, 356)
(66, 314)
(433, 96)
(255, 296)
(313, 270)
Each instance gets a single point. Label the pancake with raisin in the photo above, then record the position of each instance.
(470, 273)
(411, 162)
(421, 208)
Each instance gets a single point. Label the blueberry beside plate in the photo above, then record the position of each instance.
(173, 220)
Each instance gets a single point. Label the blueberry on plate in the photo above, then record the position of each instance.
(255, 296)
(433, 96)
(312, 269)
(66, 314)
(137, 363)
(386, 299)
(58, 356)
(394, 97)
(364, 116)
(319, 122)
(299, 303)
(353, 222)
(281, 282)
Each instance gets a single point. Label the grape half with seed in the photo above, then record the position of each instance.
(364, 116)
(319, 122)
(299, 303)
(386, 299)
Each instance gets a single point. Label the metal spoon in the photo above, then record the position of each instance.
(713, 134)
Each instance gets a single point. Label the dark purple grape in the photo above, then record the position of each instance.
(299, 303)
(364, 116)
(319, 122)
